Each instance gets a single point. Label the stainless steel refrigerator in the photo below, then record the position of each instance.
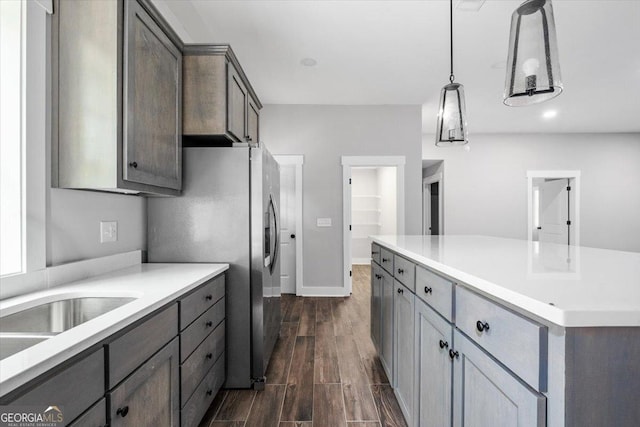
(228, 212)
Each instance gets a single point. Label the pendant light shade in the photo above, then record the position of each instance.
(533, 69)
(452, 117)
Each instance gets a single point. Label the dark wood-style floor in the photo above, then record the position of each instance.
(324, 371)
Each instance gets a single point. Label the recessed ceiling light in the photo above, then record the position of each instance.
(308, 62)
(549, 114)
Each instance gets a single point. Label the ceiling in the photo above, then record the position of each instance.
(396, 52)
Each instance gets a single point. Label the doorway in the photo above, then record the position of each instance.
(432, 199)
(291, 238)
(554, 206)
(391, 172)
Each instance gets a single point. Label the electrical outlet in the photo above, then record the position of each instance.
(108, 231)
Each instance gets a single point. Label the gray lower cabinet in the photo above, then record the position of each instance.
(149, 396)
(386, 322)
(117, 98)
(403, 336)
(486, 394)
(433, 369)
(96, 416)
(376, 305)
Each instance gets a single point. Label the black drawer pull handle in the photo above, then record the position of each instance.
(123, 411)
(482, 326)
(400, 271)
(134, 165)
(385, 259)
(428, 290)
(209, 324)
(453, 354)
(375, 252)
(209, 392)
(209, 297)
(444, 344)
(400, 291)
(209, 355)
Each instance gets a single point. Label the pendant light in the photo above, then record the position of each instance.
(533, 69)
(452, 118)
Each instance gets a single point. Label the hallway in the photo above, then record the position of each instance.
(324, 370)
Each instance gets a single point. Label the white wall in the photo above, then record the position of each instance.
(387, 189)
(324, 133)
(486, 187)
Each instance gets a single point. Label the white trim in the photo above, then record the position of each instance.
(375, 161)
(438, 177)
(298, 161)
(324, 291)
(554, 174)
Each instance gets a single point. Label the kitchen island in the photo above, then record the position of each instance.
(492, 331)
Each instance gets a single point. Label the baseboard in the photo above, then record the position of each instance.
(361, 261)
(323, 291)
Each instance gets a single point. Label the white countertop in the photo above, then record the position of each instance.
(154, 285)
(587, 286)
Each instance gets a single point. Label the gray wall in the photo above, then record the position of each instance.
(485, 188)
(324, 133)
(73, 226)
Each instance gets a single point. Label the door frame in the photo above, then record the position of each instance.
(297, 161)
(426, 207)
(372, 161)
(555, 174)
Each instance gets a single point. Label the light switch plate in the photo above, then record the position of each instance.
(108, 231)
(323, 222)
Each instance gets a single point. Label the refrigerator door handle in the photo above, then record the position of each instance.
(276, 226)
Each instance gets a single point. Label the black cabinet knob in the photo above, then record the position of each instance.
(209, 324)
(444, 344)
(482, 326)
(453, 354)
(134, 165)
(428, 290)
(293, 236)
(123, 411)
(209, 297)
(209, 392)
(385, 259)
(400, 271)
(400, 291)
(209, 355)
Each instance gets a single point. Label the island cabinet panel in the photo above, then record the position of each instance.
(150, 395)
(403, 348)
(436, 291)
(432, 367)
(376, 305)
(519, 343)
(386, 260)
(405, 272)
(61, 389)
(386, 321)
(375, 253)
(486, 394)
(96, 416)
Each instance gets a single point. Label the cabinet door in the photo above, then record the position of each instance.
(404, 301)
(433, 388)
(376, 305)
(486, 394)
(150, 395)
(386, 328)
(236, 104)
(152, 147)
(253, 121)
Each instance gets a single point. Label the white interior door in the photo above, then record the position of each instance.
(288, 228)
(554, 211)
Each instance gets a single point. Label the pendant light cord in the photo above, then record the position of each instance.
(451, 76)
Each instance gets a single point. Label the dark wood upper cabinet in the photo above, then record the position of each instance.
(220, 105)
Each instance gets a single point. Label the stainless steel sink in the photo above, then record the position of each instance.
(28, 327)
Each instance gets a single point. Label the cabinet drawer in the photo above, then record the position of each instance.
(130, 350)
(194, 410)
(149, 396)
(386, 260)
(201, 360)
(520, 344)
(62, 388)
(200, 328)
(435, 291)
(405, 271)
(96, 416)
(375, 253)
(197, 302)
